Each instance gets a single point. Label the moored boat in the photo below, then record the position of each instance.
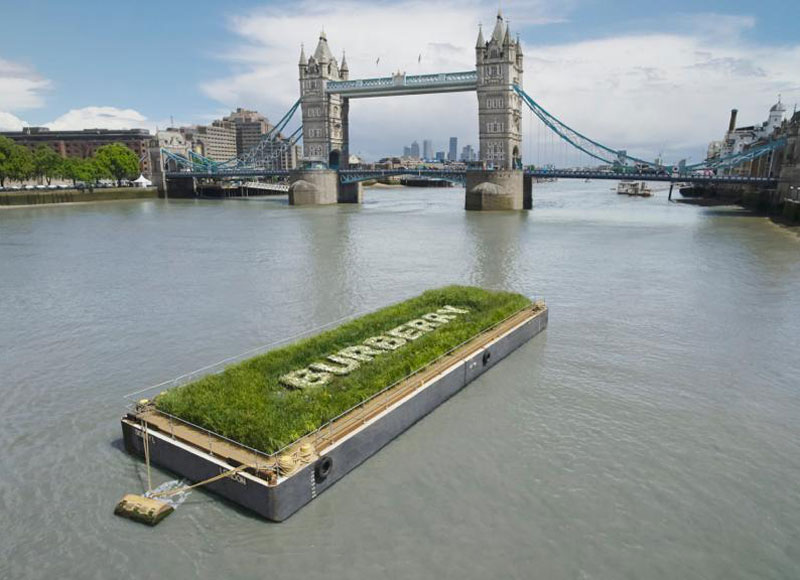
(634, 188)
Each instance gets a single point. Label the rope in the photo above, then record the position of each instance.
(186, 488)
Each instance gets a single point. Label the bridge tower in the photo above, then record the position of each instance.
(325, 132)
(324, 114)
(499, 66)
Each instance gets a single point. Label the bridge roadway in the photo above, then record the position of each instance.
(401, 84)
(459, 176)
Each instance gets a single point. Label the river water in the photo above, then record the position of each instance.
(653, 431)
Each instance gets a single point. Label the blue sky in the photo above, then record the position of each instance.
(657, 77)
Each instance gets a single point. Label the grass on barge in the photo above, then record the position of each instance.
(248, 403)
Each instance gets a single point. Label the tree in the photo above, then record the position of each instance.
(46, 162)
(16, 162)
(6, 145)
(69, 169)
(89, 171)
(117, 161)
(20, 163)
(85, 171)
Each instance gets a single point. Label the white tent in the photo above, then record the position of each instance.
(142, 181)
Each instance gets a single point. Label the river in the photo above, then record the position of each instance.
(653, 431)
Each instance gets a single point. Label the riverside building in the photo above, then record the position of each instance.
(83, 143)
(738, 139)
(216, 141)
(250, 127)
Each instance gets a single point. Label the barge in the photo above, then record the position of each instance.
(276, 483)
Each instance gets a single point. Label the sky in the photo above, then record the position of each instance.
(651, 78)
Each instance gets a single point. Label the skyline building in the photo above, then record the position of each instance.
(468, 154)
(452, 154)
(427, 149)
(415, 149)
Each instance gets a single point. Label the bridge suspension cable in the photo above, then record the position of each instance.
(263, 155)
(613, 157)
(266, 145)
(578, 140)
(738, 158)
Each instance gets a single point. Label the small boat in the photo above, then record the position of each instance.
(634, 188)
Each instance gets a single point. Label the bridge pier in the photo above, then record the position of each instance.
(181, 187)
(499, 189)
(350, 193)
(527, 192)
(313, 187)
(321, 187)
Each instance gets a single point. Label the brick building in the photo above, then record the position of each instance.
(84, 143)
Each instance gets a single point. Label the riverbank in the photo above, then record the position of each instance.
(44, 197)
(765, 202)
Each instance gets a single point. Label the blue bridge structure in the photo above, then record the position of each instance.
(458, 176)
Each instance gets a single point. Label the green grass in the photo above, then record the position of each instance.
(247, 403)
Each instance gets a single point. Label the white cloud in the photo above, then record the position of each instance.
(649, 92)
(101, 118)
(20, 87)
(9, 122)
(644, 92)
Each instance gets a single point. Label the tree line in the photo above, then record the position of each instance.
(112, 161)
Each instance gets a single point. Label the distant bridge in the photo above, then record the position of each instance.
(670, 178)
(459, 175)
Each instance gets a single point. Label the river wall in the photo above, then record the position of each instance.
(40, 197)
(772, 202)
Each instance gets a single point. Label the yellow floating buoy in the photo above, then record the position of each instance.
(143, 509)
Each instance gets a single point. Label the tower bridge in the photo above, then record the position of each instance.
(326, 90)
(496, 182)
